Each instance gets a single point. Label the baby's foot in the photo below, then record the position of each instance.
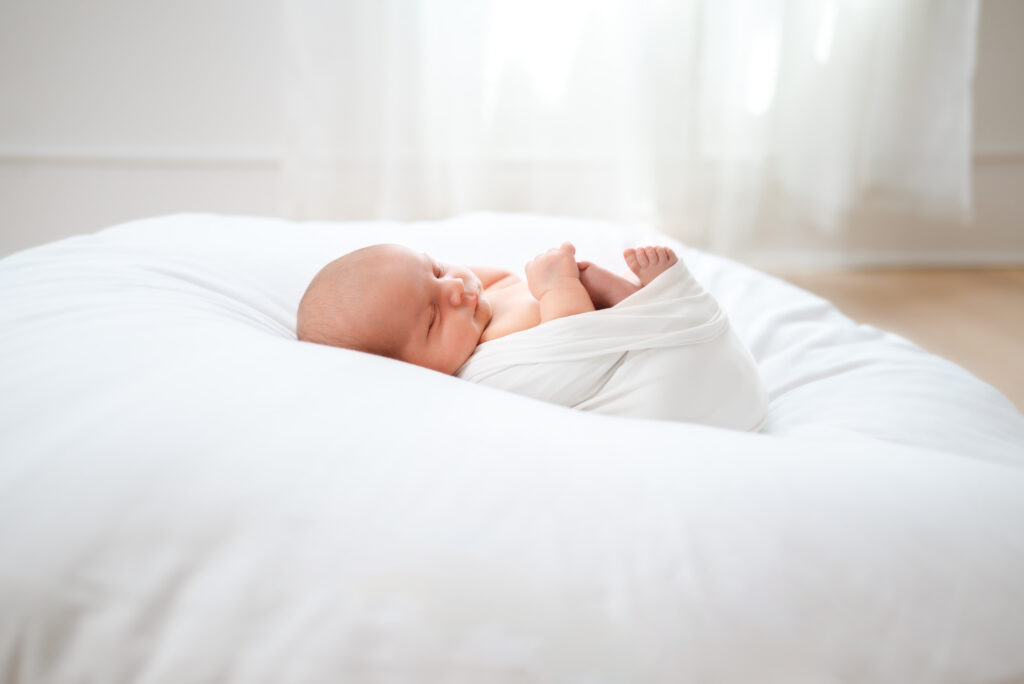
(649, 262)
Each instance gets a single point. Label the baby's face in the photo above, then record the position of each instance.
(439, 309)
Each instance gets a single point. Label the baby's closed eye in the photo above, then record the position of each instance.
(434, 314)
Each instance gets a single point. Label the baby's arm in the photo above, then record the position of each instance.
(554, 280)
(494, 277)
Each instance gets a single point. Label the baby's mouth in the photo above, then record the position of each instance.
(483, 308)
(476, 295)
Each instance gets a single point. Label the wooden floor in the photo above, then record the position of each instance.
(974, 317)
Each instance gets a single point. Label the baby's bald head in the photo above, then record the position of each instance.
(342, 305)
(392, 301)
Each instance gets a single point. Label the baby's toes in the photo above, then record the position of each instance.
(653, 257)
(666, 257)
(643, 256)
(629, 256)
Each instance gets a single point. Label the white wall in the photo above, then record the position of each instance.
(118, 109)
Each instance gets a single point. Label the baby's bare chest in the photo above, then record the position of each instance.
(513, 308)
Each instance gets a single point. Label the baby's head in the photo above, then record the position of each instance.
(395, 302)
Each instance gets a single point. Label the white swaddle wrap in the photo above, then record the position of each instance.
(666, 352)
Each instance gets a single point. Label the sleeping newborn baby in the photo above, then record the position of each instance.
(395, 302)
(650, 344)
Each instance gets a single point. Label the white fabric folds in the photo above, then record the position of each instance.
(667, 352)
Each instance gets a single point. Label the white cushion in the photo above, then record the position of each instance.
(187, 493)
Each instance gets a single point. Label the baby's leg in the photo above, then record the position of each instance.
(606, 289)
(649, 262)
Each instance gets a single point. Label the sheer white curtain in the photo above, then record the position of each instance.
(707, 118)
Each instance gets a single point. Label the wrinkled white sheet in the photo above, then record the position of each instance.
(667, 352)
(189, 495)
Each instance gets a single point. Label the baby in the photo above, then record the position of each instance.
(395, 302)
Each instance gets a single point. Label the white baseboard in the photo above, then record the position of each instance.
(154, 155)
(822, 260)
(140, 156)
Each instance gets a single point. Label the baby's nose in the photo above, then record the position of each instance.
(459, 292)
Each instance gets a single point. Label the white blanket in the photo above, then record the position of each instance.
(667, 352)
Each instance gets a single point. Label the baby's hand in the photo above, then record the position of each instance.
(552, 270)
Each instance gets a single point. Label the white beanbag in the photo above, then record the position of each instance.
(188, 494)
